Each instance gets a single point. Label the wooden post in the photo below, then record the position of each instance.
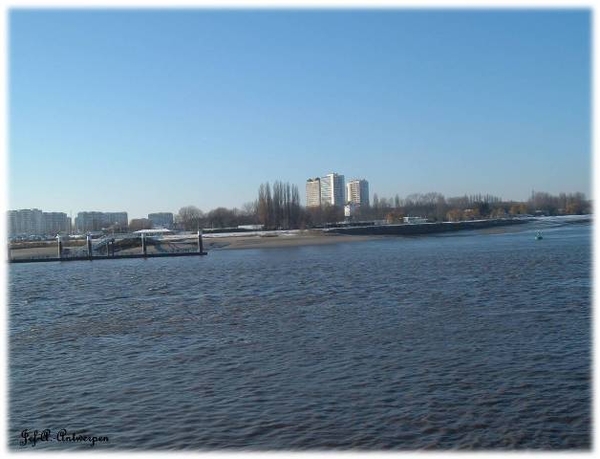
(89, 246)
(60, 246)
(144, 244)
(199, 241)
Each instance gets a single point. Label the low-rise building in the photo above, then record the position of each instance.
(161, 220)
(414, 220)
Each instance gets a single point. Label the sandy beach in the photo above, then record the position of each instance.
(279, 241)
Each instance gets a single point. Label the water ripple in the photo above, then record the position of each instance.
(471, 343)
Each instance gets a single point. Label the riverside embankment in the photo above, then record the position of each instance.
(424, 228)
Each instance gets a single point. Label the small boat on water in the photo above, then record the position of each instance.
(538, 236)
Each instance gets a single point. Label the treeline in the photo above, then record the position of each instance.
(435, 207)
(191, 218)
(278, 207)
(281, 208)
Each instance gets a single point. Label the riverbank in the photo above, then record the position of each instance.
(290, 239)
(299, 238)
(229, 241)
(427, 228)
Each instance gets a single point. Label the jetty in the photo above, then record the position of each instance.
(127, 246)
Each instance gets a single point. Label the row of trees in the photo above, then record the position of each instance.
(435, 207)
(191, 218)
(278, 207)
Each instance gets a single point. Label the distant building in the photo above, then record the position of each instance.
(313, 192)
(55, 222)
(28, 222)
(118, 219)
(88, 221)
(333, 190)
(96, 221)
(414, 220)
(350, 210)
(357, 192)
(161, 220)
(25, 222)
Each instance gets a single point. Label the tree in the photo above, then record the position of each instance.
(264, 206)
(517, 209)
(498, 212)
(375, 202)
(280, 209)
(249, 213)
(222, 218)
(440, 208)
(189, 218)
(454, 215)
(394, 216)
(332, 214)
(576, 204)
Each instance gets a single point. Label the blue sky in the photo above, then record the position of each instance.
(152, 110)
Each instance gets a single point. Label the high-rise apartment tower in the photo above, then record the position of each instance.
(333, 190)
(313, 192)
(357, 192)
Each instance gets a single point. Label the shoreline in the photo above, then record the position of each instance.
(286, 239)
(280, 241)
(241, 242)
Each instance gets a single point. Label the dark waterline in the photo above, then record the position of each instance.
(471, 341)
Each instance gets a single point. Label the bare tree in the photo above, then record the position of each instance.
(189, 218)
(222, 218)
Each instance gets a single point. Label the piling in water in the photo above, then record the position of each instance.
(89, 246)
(60, 246)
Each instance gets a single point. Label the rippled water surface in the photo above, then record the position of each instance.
(474, 340)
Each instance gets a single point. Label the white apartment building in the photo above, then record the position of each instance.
(357, 192)
(95, 221)
(115, 218)
(27, 222)
(333, 190)
(313, 192)
(56, 222)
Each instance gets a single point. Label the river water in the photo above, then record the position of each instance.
(475, 340)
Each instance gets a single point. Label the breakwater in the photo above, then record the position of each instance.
(424, 228)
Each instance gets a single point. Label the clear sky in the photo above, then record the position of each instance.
(151, 110)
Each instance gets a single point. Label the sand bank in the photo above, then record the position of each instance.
(279, 241)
